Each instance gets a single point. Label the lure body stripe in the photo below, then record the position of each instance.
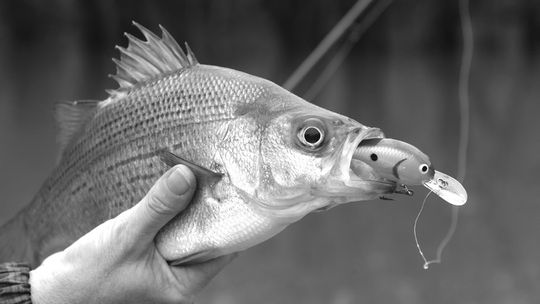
(395, 168)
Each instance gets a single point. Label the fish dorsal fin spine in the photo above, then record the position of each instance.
(143, 60)
(71, 117)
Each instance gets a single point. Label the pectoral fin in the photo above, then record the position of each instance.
(325, 208)
(195, 258)
(200, 172)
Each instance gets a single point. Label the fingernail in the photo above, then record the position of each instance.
(179, 180)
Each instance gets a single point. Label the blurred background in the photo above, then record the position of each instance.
(401, 76)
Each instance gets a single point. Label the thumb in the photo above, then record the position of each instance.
(169, 195)
(197, 276)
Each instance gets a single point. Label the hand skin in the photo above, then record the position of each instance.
(117, 262)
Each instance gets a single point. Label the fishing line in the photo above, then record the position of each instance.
(464, 110)
(464, 80)
(426, 262)
(445, 240)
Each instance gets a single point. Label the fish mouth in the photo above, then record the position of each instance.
(341, 185)
(352, 180)
(364, 183)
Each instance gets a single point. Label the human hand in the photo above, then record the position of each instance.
(118, 262)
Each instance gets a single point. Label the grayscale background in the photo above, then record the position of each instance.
(402, 76)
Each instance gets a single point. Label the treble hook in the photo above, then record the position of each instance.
(405, 191)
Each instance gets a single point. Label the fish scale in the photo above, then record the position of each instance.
(144, 123)
(241, 135)
(104, 134)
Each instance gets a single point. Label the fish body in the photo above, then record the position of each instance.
(275, 157)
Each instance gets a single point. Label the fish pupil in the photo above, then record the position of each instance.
(374, 157)
(312, 135)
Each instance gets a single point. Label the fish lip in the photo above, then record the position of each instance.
(370, 133)
(346, 187)
(365, 134)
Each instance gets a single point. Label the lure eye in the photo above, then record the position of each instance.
(423, 168)
(311, 136)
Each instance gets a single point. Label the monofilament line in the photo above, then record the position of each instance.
(464, 102)
(426, 262)
(464, 80)
(444, 241)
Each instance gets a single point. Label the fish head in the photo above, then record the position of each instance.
(306, 156)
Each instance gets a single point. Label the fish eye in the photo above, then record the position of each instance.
(311, 136)
(374, 157)
(423, 168)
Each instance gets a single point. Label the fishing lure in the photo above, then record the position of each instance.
(406, 165)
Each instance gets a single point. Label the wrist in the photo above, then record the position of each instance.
(14, 286)
(48, 281)
(38, 286)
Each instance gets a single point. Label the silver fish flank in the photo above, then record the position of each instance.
(276, 157)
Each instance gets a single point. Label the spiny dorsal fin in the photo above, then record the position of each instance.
(143, 60)
(71, 117)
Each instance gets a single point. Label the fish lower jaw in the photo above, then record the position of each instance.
(291, 209)
(357, 189)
